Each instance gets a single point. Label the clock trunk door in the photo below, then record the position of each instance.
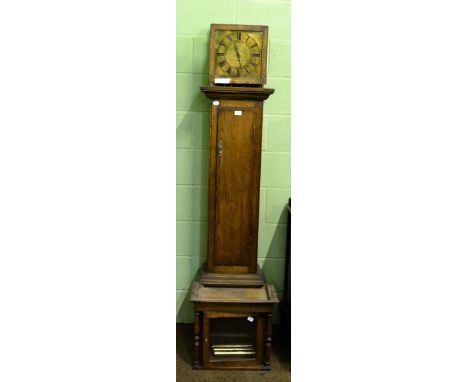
(237, 184)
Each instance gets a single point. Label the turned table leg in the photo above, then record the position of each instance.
(196, 342)
(268, 334)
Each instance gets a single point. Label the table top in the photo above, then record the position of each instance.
(266, 294)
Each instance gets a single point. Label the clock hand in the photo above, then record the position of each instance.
(237, 53)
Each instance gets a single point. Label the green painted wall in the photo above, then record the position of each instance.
(193, 24)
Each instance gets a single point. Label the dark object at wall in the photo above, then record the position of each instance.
(286, 303)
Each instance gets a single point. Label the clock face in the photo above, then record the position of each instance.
(238, 53)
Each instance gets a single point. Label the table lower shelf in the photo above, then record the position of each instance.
(231, 351)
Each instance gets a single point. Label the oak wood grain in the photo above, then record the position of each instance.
(234, 180)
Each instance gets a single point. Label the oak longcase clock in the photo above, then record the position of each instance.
(238, 54)
(233, 303)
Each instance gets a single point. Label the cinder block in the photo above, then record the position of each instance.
(184, 162)
(272, 240)
(200, 130)
(184, 203)
(265, 133)
(184, 130)
(275, 14)
(200, 203)
(200, 239)
(279, 133)
(188, 94)
(279, 64)
(195, 17)
(197, 265)
(184, 238)
(186, 90)
(276, 170)
(183, 272)
(201, 50)
(200, 167)
(201, 103)
(262, 207)
(184, 308)
(280, 101)
(276, 211)
(274, 272)
(184, 54)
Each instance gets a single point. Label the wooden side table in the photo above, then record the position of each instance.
(233, 326)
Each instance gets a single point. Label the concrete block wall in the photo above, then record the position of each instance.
(193, 24)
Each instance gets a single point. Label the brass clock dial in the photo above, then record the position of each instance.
(238, 53)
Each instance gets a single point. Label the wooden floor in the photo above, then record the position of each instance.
(280, 362)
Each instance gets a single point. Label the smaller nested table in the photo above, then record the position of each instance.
(233, 326)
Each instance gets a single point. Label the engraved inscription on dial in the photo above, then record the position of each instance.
(238, 54)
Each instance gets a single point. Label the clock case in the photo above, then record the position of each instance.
(236, 120)
(261, 80)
